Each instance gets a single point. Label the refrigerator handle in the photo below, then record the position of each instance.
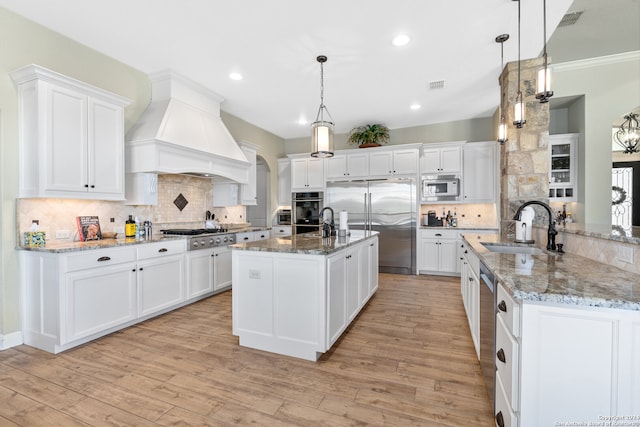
(370, 221)
(366, 213)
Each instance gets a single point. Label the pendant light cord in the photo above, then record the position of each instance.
(519, 46)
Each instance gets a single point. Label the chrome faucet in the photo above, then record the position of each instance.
(551, 231)
(328, 227)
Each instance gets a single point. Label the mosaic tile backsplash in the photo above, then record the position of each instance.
(59, 215)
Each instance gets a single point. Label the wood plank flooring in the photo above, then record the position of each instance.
(407, 360)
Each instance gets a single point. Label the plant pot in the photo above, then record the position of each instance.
(369, 144)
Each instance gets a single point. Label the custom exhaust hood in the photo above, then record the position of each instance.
(181, 132)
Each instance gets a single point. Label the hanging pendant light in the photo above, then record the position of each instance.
(518, 113)
(321, 129)
(502, 127)
(544, 91)
(628, 136)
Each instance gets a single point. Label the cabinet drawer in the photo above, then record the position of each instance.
(281, 230)
(245, 237)
(509, 311)
(503, 410)
(261, 235)
(507, 349)
(98, 258)
(155, 250)
(427, 233)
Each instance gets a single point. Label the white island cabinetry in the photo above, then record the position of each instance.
(298, 303)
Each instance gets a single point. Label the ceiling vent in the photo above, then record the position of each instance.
(569, 19)
(436, 84)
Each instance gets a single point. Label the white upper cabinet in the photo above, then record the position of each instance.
(284, 182)
(393, 162)
(480, 172)
(563, 170)
(248, 192)
(347, 166)
(71, 137)
(307, 173)
(442, 159)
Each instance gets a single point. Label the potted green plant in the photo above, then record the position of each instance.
(371, 135)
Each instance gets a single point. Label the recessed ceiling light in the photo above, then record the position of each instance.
(415, 106)
(401, 40)
(302, 121)
(235, 76)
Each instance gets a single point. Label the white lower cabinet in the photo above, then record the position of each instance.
(561, 363)
(470, 290)
(73, 297)
(97, 299)
(438, 251)
(209, 271)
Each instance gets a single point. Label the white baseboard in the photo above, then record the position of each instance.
(11, 340)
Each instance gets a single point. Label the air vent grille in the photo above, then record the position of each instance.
(436, 84)
(569, 19)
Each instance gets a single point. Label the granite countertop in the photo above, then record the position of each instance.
(306, 243)
(59, 246)
(559, 278)
(461, 228)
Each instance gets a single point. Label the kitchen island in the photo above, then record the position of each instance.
(296, 295)
(567, 336)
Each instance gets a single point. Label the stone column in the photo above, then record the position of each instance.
(524, 158)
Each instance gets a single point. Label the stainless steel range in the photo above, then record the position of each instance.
(203, 238)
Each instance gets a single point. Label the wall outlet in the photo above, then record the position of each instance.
(254, 274)
(63, 234)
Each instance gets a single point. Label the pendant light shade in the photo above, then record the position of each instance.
(628, 136)
(502, 127)
(544, 92)
(321, 129)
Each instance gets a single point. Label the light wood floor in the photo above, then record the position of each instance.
(407, 360)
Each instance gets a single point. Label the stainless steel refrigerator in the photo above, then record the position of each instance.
(387, 206)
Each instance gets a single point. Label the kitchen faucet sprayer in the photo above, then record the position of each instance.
(551, 231)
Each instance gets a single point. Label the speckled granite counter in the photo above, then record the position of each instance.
(559, 278)
(59, 246)
(307, 243)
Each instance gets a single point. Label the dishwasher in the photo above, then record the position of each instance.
(488, 331)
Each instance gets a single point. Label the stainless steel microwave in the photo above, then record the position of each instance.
(437, 188)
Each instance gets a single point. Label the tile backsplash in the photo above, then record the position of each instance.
(469, 215)
(59, 215)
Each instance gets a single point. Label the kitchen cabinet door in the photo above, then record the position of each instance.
(352, 277)
(284, 182)
(199, 273)
(351, 165)
(78, 151)
(98, 299)
(373, 267)
(248, 192)
(393, 162)
(307, 174)
(221, 268)
(441, 160)
(429, 255)
(480, 174)
(336, 298)
(160, 283)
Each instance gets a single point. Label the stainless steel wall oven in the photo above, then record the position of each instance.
(305, 211)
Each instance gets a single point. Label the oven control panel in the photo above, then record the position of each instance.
(211, 241)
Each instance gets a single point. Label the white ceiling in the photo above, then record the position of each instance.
(274, 45)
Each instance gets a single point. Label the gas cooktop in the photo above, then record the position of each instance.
(192, 231)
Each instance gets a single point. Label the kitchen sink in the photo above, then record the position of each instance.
(512, 249)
